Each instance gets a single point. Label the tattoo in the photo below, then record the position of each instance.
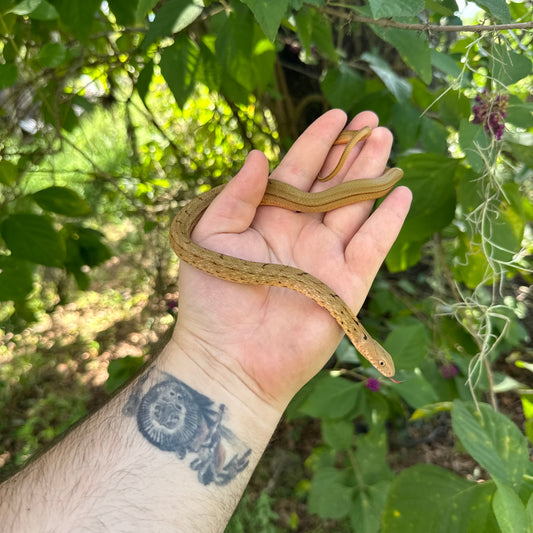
(175, 418)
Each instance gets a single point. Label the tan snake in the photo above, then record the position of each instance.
(283, 195)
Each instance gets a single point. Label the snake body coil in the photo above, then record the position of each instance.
(281, 194)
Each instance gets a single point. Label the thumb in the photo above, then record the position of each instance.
(233, 210)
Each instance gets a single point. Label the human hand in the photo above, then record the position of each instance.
(274, 340)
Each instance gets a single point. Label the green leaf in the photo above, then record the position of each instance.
(399, 87)
(419, 497)
(433, 136)
(171, 18)
(314, 28)
(498, 8)
(470, 511)
(416, 390)
(409, 344)
(85, 247)
(493, 440)
(52, 55)
(209, 69)
(504, 234)
(144, 7)
(124, 10)
(329, 497)
(443, 7)
(35, 9)
(233, 50)
(342, 86)
(472, 266)
(522, 152)
(406, 124)
(122, 370)
(263, 60)
(507, 66)
(268, 14)
(338, 434)
(529, 510)
(44, 11)
(62, 200)
(144, 79)
(367, 507)
(430, 410)
(377, 98)
(413, 48)
(509, 510)
(371, 455)
(78, 16)
(16, 280)
(446, 63)
(387, 9)
(431, 179)
(33, 237)
(60, 114)
(8, 75)
(374, 407)
(469, 195)
(25, 7)
(8, 172)
(331, 397)
(404, 254)
(178, 66)
(520, 113)
(454, 106)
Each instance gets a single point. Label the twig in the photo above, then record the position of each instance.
(390, 23)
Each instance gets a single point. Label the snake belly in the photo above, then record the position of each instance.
(238, 270)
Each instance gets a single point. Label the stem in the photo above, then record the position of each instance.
(390, 23)
(355, 468)
(490, 377)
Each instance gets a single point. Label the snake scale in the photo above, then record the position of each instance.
(283, 195)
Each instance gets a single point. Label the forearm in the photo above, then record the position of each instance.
(172, 452)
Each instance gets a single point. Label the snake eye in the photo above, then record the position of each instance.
(382, 363)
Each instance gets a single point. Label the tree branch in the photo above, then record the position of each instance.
(390, 23)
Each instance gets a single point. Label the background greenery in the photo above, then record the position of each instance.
(113, 114)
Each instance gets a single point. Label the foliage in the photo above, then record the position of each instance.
(254, 516)
(116, 112)
(121, 370)
(28, 384)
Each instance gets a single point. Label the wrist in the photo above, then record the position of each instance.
(214, 374)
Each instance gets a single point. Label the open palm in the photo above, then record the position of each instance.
(276, 339)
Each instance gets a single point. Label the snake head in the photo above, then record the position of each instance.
(380, 359)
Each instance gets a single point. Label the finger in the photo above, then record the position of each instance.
(303, 161)
(369, 163)
(233, 210)
(368, 248)
(365, 118)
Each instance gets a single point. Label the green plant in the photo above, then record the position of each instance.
(254, 515)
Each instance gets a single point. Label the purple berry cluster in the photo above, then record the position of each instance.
(449, 370)
(373, 384)
(491, 110)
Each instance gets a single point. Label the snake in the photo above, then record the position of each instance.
(281, 194)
